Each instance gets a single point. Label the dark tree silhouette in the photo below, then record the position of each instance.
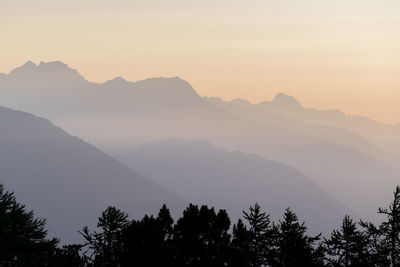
(385, 239)
(294, 246)
(391, 228)
(69, 256)
(148, 242)
(201, 237)
(241, 253)
(262, 235)
(22, 236)
(347, 246)
(377, 246)
(103, 247)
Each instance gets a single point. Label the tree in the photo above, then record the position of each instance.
(240, 253)
(295, 247)
(201, 237)
(378, 254)
(22, 236)
(148, 242)
(262, 235)
(391, 228)
(103, 247)
(165, 222)
(386, 237)
(347, 246)
(69, 256)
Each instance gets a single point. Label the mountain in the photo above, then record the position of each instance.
(44, 75)
(286, 109)
(333, 134)
(68, 181)
(343, 163)
(386, 137)
(283, 101)
(119, 115)
(203, 173)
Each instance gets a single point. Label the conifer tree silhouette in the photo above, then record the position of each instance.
(22, 236)
(201, 237)
(295, 247)
(241, 253)
(261, 232)
(104, 246)
(347, 246)
(391, 227)
(385, 238)
(69, 256)
(148, 242)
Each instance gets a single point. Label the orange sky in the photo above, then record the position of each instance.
(328, 54)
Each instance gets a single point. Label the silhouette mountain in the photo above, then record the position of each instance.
(242, 102)
(284, 101)
(386, 137)
(163, 93)
(45, 74)
(68, 181)
(118, 82)
(27, 70)
(118, 115)
(337, 135)
(203, 173)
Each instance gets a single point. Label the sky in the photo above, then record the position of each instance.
(335, 54)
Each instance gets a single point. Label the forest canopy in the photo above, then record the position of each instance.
(202, 236)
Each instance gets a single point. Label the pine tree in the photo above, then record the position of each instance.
(22, 236)
(165, 222)
(262, 234)
(295, 247)
(103, 247)
(148, 242)
(385, 238)
(219, 239)
(391, 227)
(347, 246)
(69, 256)
(378, 254)
(201, 237)
(240, 253)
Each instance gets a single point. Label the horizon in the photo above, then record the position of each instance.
(203, 133)
(209, 96)
(329, 55)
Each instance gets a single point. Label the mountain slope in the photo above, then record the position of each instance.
(333, 134)
(119, 115)
(387, 137)
(235, 180)
(68, 181)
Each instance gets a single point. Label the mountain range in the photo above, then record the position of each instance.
(66, 180)
(356, 164)
(205, 174)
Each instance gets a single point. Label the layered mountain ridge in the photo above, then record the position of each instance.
(339, 153)
(203, 173)
(66, 180)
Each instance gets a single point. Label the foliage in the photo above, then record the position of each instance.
(104, 246)
(384, 240)
(201, 237)
(22, 236)
(347, 246)
(294, 246)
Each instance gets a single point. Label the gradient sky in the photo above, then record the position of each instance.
(328, 54)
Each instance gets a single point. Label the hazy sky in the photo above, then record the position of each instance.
(327, 53)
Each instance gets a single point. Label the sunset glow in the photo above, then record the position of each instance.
(328, 54)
